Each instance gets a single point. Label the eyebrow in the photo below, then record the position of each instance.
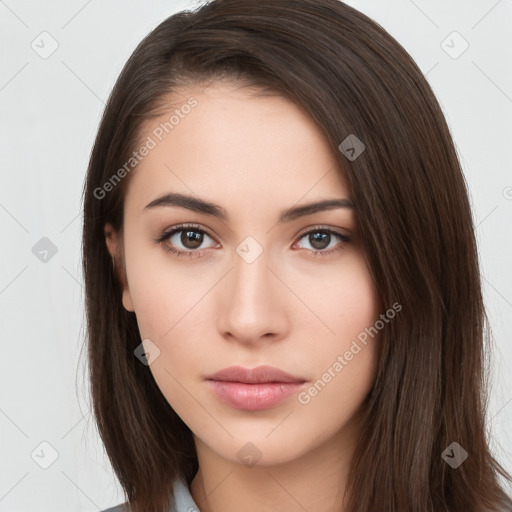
(205, 207)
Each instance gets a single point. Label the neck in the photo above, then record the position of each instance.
(315, 480)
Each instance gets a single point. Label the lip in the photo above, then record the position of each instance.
(253, 389)
(258, 375)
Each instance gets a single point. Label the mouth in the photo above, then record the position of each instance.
(253, 389)
(258, 375)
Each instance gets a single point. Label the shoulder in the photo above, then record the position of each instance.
(183, 501)
(123, 507)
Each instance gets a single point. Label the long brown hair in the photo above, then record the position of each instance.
(415, 221)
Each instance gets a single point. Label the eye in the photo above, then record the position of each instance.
(187, 239)
(320, 239)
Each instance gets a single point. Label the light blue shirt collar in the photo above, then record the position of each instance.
(183, 501)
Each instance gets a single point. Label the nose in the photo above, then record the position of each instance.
(252, 303)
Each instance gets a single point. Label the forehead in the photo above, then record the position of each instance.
(224, 142)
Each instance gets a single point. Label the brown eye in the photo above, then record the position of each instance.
(191, 239)
(320, 241)
(184, 240)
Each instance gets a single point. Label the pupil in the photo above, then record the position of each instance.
(318, 239)
(191, 239)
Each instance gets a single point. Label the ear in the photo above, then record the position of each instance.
(114, 246)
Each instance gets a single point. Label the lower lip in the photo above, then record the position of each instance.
(253, 397)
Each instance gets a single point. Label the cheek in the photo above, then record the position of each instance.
(337, 396)
(344, 364)
(344, 361)
(345, 299)
(162, 293)
(167, 299)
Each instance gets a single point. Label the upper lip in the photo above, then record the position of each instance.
(256, 375)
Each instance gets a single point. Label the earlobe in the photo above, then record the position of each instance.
(127, 299)
(113, 241)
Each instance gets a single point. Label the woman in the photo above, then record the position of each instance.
(283, 294)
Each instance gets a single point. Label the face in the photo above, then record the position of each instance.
(249, 285)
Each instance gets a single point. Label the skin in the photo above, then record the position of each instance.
(292, 309)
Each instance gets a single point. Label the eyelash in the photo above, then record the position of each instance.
(161, 239)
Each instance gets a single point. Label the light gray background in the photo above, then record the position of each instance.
(49, 112)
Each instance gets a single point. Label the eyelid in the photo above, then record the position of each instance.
(182, 227)
(320, 227)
